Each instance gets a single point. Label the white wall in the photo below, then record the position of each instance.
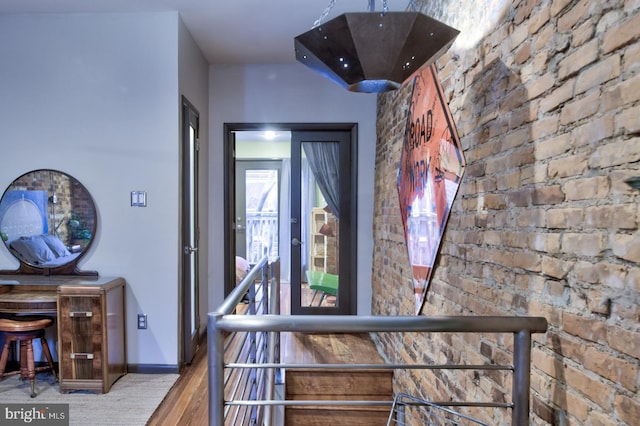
(194, 85)
(288, 94)
(96, 96)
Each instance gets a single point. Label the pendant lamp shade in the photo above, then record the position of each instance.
(373, 52)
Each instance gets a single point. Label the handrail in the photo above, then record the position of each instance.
(221, 322)
(373, 323)
(236, 295)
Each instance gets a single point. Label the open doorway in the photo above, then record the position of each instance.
(279, 203)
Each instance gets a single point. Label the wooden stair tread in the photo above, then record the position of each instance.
(346, 408)
(301, 348)
(318, 417)
(339, 384)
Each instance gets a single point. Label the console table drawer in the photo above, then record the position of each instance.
(91, 344)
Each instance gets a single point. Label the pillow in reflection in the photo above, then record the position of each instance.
(33, 250)
(56, 245)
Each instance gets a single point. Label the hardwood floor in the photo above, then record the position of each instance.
(188, 401)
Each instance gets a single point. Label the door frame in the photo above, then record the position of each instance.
(229, 193)
(346, 205)
(189, 342)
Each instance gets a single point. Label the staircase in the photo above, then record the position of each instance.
(337, 384)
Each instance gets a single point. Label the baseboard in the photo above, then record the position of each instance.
(153, 369)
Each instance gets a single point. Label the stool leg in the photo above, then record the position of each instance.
(31, 367)
(47, 355)
(24, 371)
(4, 358)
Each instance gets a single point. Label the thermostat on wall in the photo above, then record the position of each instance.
(138, 198)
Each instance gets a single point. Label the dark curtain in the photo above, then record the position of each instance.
(323, 158)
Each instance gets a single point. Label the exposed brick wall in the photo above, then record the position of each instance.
(547, 106)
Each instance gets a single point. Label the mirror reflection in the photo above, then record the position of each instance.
(47, 221)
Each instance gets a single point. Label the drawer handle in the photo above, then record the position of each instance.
(80, 314)
(81, 355)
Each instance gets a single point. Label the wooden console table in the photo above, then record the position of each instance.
(91, 324)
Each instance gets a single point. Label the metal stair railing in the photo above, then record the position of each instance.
(222, 321)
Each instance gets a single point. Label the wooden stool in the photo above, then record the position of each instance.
(24, 330)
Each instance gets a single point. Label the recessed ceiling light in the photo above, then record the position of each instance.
(269, 134)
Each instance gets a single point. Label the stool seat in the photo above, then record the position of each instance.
(23, 329)
(21, 324)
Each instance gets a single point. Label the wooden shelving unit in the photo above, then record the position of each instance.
(318, 248)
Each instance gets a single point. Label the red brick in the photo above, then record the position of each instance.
(597, 74)
(581, 108)
(574, 15)
(523, 11)
(631, 59)
(618, 216)
(558, 6)
(565, 218)
(518, 36)
(625, 341)
(527, 261)
(540, 85)
(575, 405)
(544, 37)
(553, 147)
(627, 247)
(510, 180)
(591, 387)
(574, 165)
(594, 131)
(556, 268)
(609, 274)
(628, 409)
(544, 127)
(612, 368)
(580, 58)
(601, 419)
(523, 53)
(586, 328)
(558, 97)
(548, 195)
(623, 93)
(531, 217)
(540, 17)
(629, 122)
(587, 188)
(549, 363)
(583, 33)
(548, 243)
(621, 34)
(591, 244)
(616, 153)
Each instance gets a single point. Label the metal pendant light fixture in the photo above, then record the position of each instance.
(373, 52)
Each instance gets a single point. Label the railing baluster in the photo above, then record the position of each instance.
(264, 325)
(521, 377)
(215, 338)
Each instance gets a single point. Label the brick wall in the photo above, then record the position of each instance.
(546, 98)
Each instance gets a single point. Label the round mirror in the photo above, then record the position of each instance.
(47, 221)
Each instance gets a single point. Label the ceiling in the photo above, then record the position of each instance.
(227, 31)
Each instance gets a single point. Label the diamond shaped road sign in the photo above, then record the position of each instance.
(431, 168)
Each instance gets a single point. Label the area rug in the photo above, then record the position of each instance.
(130, 402)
